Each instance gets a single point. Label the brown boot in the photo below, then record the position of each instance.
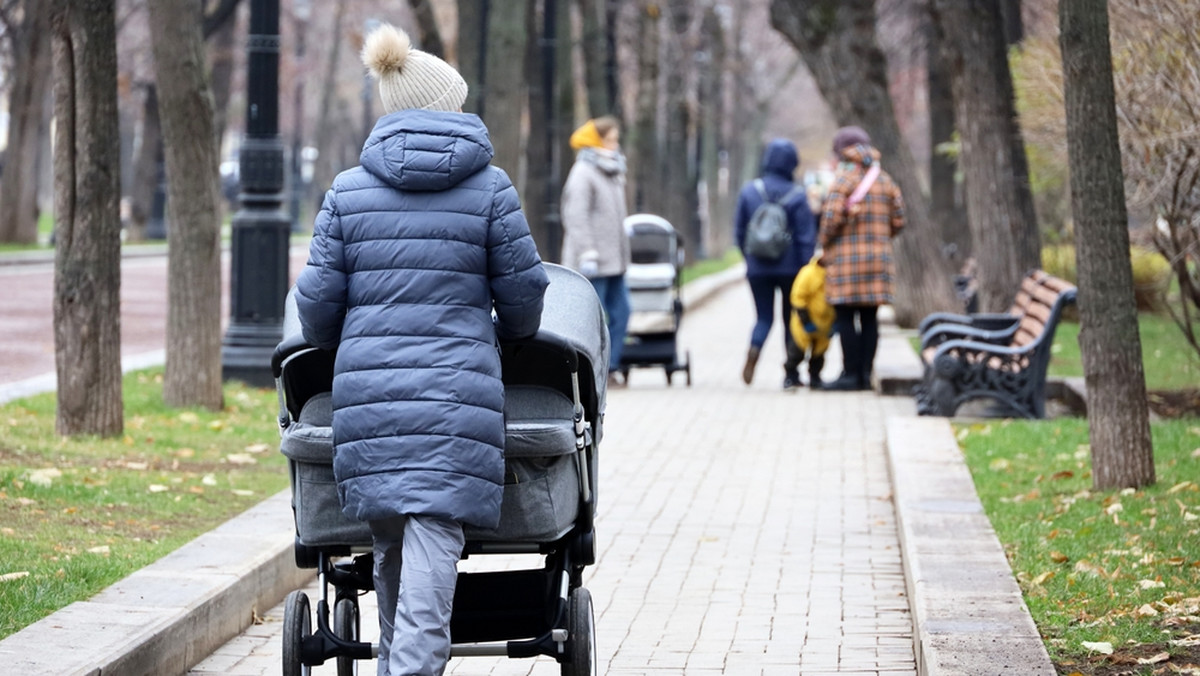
(751, 362)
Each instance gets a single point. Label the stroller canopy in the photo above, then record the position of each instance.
(572, 311)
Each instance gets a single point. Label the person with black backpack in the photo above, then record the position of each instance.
(776, 233)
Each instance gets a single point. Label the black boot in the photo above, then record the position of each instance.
(815, 364)
(847, 382)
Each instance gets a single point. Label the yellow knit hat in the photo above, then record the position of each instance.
(586, 137)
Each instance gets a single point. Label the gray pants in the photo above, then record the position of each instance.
(415, 599)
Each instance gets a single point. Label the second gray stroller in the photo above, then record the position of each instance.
(554, 409)
(655, 306)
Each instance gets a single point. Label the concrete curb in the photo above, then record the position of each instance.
(166, 617)
(969, 616)
(697, 292)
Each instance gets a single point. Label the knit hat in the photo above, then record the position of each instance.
(849, 136)
(409, 78)
(586, 136)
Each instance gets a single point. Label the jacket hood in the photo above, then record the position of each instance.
(860, 154)
(426, 150)
(781, 158)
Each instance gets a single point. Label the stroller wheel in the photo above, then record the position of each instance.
(345, 625)
(581, 640)
(297, 626)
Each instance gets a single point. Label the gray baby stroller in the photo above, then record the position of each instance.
(656, 309)
(554, 408)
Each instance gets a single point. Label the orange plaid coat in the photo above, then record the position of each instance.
(858, 245)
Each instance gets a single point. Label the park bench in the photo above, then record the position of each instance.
(991, 327)
(1005, 364)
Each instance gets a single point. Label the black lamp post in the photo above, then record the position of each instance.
(259, 269)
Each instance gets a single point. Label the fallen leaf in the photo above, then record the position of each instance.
(1181, 486)
(44, 477)
(1155, 659)
(1146, 610)
(1151, 584)
(1041, 579)
(1113, 508)
(1089, 568)
(209, 480)
(185, 453)
(1101, 647)
(1065, 474)
(240, 459)
(242, 492)
(137, 466)
(189, 417)
(157, 488)
(1059, 557)
(257, 448)
(9, 577)
(999, 465)
(102, 550)
(216, 425)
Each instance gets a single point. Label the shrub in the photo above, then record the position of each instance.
(1151, 272)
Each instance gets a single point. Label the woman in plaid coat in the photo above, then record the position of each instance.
(857, 238)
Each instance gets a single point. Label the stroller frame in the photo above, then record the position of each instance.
(543, 611)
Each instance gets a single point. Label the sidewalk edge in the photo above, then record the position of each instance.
(969, 616)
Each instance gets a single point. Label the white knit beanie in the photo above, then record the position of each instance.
(409, 78)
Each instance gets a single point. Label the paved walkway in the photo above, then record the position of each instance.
(741, 530)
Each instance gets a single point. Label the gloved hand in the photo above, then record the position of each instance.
(805, 319)
(589, 263)
(809, 327)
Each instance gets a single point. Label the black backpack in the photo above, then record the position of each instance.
(768, 235)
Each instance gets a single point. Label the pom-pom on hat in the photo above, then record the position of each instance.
(409, 78)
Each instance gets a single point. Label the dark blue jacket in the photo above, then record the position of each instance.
(411, 252)
(779, 163)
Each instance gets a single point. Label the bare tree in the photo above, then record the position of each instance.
(644, 158)
(1003, 224)
(679, 171)
(539, 73)
(87, 270)
(26, 26)
(1158, 108)
(1118, 416)
(837, 40)
(193, 370)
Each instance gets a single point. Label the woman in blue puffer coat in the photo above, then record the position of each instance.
(411, 253)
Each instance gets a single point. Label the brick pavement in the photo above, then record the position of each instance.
(741, 530)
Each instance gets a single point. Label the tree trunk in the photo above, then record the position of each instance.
(644, 171)
(221, 48)
(87, 263)
(145, 166)
(429, 36)
(472, 51)
(562, 156)
(679, 174)
(506, 97)
(1118, 419)
(718, 233)
(1000, 211)
(595, 59)
(742, 157)
(27, 125)
(193, 370)
(944, 190)
(539, 73)
(837, 40)
(328, 140)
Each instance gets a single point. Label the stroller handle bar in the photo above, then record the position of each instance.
(294, 344)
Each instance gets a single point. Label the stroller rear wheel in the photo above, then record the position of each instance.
(581, 640)
(297, 626)
(345, 625)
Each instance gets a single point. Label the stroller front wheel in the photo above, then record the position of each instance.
(581, 640)
(297, 626)
(345, 622)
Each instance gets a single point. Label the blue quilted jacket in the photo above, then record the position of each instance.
(411, 252)
(779, 163)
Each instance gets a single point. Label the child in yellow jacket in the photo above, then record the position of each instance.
(811, 324)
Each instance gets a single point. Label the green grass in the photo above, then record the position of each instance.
(1118, 567)
(709, 266)
(80, 514)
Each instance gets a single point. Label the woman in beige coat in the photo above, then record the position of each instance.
(593, 218)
